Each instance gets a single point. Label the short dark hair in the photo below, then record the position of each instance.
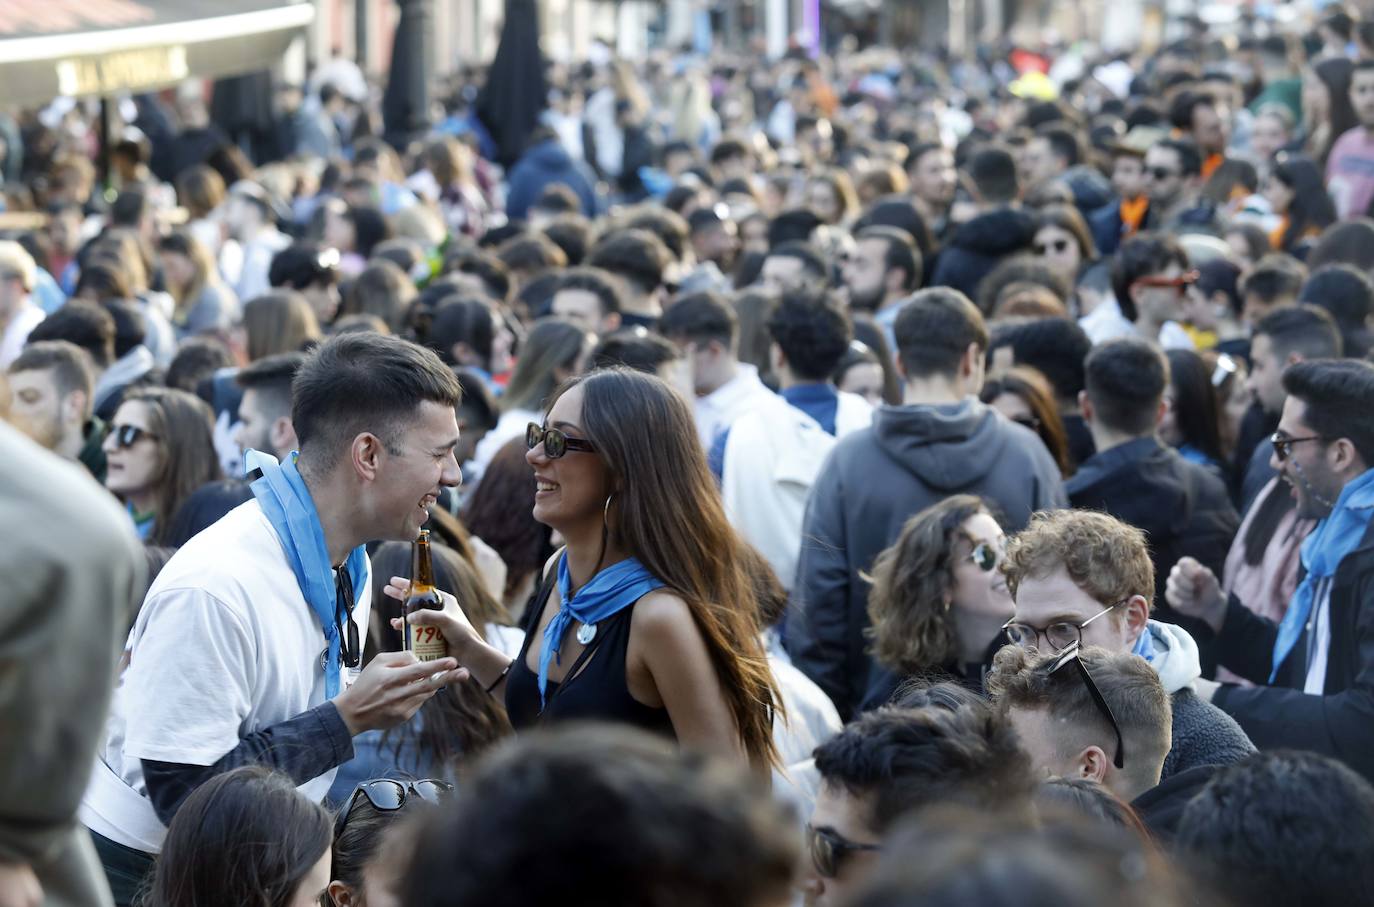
(667, 225)
(896, 760)
(462, 319)
(71, 366)
(813, 262)
(604, 285)
(812, 330)
(793, 225)
(902, 253)
(1336, 393)
(1303, 329)
(1056, 347)
(727, 149)
(1283, 828)
(1140, 256)
(1063, 143)
(993, 171)
(1189, 157)
(85, 324)
(558, 198)
(650, 825)
(1126, 379)
(637, 348)
(303, 263)
(197, 359)
(1344, 291)
(130, 325)
(1274, 278)
(934, 329)
(271, 377)
(1020, 269)
(531, 252)
(637, 256)
(701, 318)
(899, 211)
(1184, 108)
(363, 382)
(573, 234)
(486, 267)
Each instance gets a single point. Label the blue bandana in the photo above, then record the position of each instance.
(1322, 551)
(284, 498)
(609, 592)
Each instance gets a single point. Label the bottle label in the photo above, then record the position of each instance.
(428, 643)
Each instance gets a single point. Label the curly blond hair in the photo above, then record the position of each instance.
(1106, 558)
(912, 627)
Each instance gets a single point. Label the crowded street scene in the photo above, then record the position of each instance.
(669, 454)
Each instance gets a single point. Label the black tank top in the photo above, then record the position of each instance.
(594, 688)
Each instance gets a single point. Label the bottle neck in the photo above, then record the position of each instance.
(422, 576)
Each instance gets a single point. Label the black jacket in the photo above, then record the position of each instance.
(1339, 723)
(977, 247)
(1182, 507)
(869, 486)
(1161, 807)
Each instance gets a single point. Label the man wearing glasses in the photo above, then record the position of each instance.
(1151, 278)
(248, 647)
(1315, 668)
(1081, 578)
(892, 761)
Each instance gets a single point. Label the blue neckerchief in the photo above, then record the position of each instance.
(1322, 551)
(609, 592)
(282, 494)
(1145, 645)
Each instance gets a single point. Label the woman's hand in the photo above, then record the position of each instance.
(458, 631)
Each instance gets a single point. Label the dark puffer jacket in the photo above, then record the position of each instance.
(978, 246)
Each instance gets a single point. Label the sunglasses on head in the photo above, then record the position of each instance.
(126, 436)
(1283, 445)
(830, 849)
(1058, 247)
(556, 444)
(387, 795)
(1071, 656)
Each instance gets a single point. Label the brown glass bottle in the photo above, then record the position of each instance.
(426, 642)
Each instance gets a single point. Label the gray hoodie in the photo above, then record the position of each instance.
(870, 485)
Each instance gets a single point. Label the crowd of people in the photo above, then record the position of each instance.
(875, 479)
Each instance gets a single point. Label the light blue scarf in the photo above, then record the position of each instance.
(607, 594)
(1322, 551)
(284, 498)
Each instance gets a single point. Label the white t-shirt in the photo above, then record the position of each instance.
(225, 645)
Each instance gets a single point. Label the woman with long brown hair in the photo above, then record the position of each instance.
(1025, 397)
(648, 616)
(281, 321)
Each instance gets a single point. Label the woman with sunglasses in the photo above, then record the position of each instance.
(160, 448)
(938, 601)
(365, 869)
(1064, 242)
(1024, 396)
(648, 616)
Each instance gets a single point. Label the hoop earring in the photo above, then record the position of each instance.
(606, 511)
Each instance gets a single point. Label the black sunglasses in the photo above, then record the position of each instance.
(830, 849)
(1071, 654)
(556, 444)
(1161, 173)
(1283, 445)
(984, 556)
(350, 649)
(387, 795)
(1058, 246)
(126, 436)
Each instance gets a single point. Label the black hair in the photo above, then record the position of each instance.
(993, 171)
(370, 227)
(1347, 294)
(197, 359)
(637, 348)
(795, 225)
(573, 234)
(1063, 143)
(86, 324)
(1311, 208)
(206, 506)
(700, 318)
(1022, 268)
(668, 226)
(896, 760)
(813, 332)
(727, 149)
(531, 252)
(129, 208)
(1304, 329)
(303, 263)
(360, 382)
(270, 378)
(1336, 394)
(1220, 275)
(934, 330)
(636, 256)
(1184, 108)
(813, 263)
(492, 271)
(130, 326)
(1283, 828)
(1141, 256)
(1189, 157)
(900, 212)
(1197, 412)
(604, 285)
(1126, 380)
(478, 406)
(463, 319)
(902, 252)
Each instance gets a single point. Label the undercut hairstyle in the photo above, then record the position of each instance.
(993, 171)
(363, 382)
(271, 379)
(1303, 329)
(636, 256)
(71, 366)
(1126, 381)
(901, 253)
(654, 826)
(897, 760)
(1142, 256)
(813, 331)
(1283, 828)
(1055, 347)
(1020, 679)
(813, 262)
(701, 318)
(1276, 278)
(637, 348)
(84, 324)
(934, 330)
(1337, 395)
(1106, 558)
(604, 285)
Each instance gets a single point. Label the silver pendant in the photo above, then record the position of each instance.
(586, 633)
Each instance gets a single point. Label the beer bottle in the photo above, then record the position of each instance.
(426, 642)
